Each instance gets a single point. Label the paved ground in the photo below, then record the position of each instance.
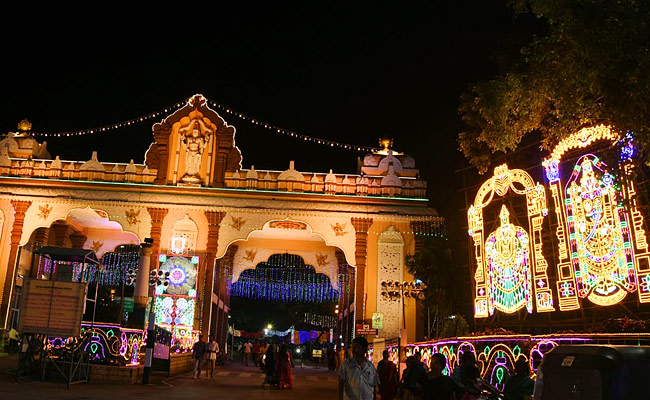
(233, 381)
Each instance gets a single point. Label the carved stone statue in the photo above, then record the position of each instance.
(194, 143)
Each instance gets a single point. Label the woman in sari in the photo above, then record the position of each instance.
(284, 363)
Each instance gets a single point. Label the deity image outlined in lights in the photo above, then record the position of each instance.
(508, 261)
(602, 256)
(511, 269)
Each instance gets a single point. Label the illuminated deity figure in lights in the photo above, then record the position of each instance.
(508, 267)
(600, 237)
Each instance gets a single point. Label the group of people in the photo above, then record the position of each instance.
(359, 380)
(203, 352)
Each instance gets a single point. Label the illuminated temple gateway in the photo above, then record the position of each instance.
(578, 243)
(211, 221)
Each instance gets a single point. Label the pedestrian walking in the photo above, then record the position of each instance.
(198, 352)
(437, 386)
(247, 351)
(256, 352)
(414, 372)
(357, 376)
(212, 350)
(284, 364)
(388, 377)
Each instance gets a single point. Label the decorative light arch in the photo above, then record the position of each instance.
(511, 270)
(602, 246)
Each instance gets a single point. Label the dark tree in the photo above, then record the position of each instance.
(446, 290)
(586, 64)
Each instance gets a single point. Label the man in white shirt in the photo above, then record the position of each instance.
(247, 351)
(358, 378)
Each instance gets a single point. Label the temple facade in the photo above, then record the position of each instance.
(194, 201)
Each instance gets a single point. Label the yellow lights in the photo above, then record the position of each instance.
(24, 125)
(583, 138)
(602, 246)
(269, 326)
(511, 270)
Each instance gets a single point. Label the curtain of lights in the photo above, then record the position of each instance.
(116, 265)
(284, 277)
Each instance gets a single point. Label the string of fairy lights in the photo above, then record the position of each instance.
(214, 104)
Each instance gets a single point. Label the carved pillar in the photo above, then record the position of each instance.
(157, 218)
(60, 232)
(214, 222)
(20, 207)
(41, 238)
(78, 239)
(161, 134)
(361, 226)
(225, 270)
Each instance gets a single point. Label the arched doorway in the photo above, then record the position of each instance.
(287, 277)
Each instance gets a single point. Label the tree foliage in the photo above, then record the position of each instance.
(588, 64)
(434, 266)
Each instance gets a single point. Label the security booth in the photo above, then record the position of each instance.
(595, 372)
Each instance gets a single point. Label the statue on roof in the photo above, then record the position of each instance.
(194, 143)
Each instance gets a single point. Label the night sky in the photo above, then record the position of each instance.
(343, 72)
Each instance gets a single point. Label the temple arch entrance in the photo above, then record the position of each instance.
(285, 268)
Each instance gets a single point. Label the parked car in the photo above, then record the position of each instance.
(594, 372)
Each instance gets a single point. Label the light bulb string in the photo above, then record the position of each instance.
(110, 127)
(228, 110)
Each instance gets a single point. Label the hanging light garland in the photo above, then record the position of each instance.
(113, 127)
(284, 277)
(290, 133)
(228, 110)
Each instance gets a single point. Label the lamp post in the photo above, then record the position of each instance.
(396, 290)
(157, 278)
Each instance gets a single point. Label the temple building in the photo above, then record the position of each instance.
(210, 221)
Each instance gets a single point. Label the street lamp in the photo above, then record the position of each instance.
(396, 290)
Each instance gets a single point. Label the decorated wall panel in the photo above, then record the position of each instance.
(390, 266)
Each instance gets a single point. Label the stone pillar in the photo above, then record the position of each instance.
(214, 222)
(141, 291)
(157, 218)
(20, 207)
(361, 226)
(41, 238)
(221, 325)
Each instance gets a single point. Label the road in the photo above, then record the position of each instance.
(233, 381)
